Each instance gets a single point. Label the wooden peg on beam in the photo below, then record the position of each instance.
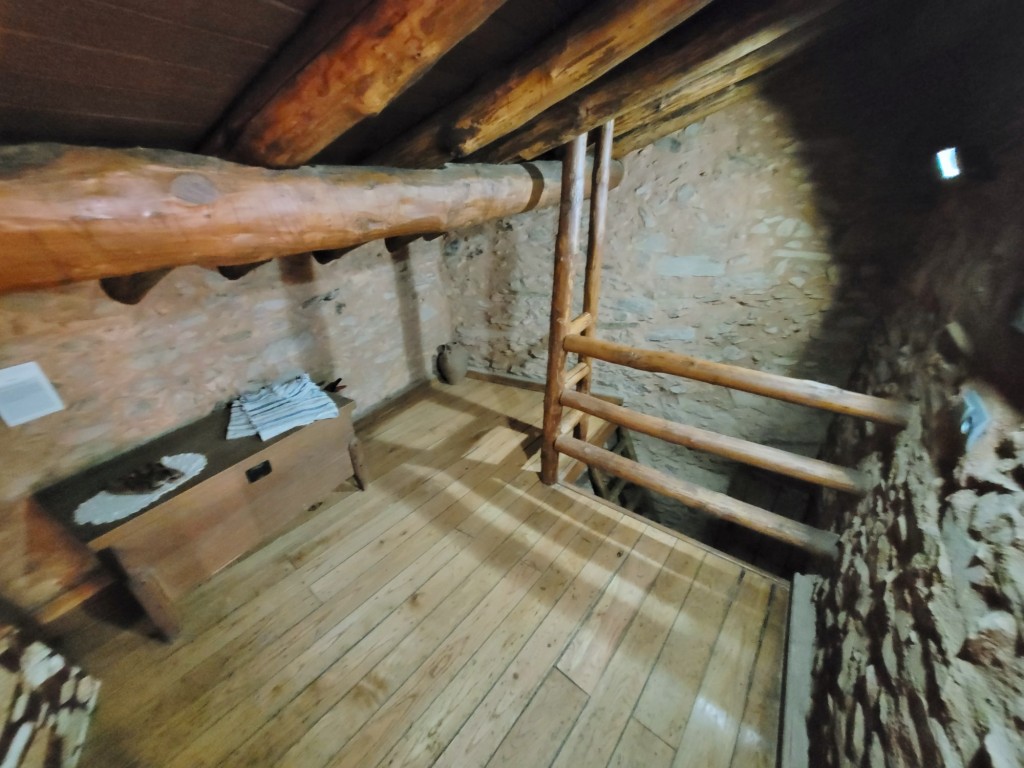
(238, 271)
(131, 289)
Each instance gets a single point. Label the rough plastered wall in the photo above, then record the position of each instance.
(919, 655)
(716, 248)
(128, 374)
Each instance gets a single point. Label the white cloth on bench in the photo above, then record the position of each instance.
(106, 507)
(274, 410)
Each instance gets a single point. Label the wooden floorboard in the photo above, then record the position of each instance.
(457, 613)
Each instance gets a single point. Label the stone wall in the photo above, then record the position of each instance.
(919, 656)
(128, 374)
(45, 705)
(716, 247)
(920, 627)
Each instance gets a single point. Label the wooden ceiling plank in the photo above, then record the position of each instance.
(46, 95)
(78, 213)
(266, 23)
(27, 55)
(383, 51)
(692, 54)
(126, 34)
(19, 124)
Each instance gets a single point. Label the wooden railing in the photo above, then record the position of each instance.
(570, 389)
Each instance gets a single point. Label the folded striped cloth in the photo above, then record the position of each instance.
(274, 410)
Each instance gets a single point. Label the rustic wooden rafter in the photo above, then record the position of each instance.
(591, 45)
(74, 213)
(370, 61)
(697, 90)
(677, 119)
(695, 60)
(346, 64)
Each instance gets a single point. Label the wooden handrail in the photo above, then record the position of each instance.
(808, 538)
(801, 391)
(765, 457)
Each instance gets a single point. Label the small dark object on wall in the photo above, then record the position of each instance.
(144, 480)
(452, 362)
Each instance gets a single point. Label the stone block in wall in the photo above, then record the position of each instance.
(45, 705)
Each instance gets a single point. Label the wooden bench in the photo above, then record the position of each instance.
(249, 493)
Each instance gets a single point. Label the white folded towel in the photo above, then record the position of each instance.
(274, 410)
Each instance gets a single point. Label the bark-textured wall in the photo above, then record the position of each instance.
(128, 374)
(716, 247)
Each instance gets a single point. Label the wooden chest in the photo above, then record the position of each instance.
(250, 492)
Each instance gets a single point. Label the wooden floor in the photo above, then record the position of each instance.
(458, 613)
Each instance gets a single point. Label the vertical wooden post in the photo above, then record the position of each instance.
(567, 245)
(595, 251)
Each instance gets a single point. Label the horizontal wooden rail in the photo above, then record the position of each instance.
(772, 459)
(577, 374)
(581, 323)
(801, 391)
(808, 538)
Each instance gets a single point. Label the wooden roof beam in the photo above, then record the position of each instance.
(703, 89)
(77, 213)
(695, 59)
(586, 48)
(286, 119)
(676, 120)
(347, 63)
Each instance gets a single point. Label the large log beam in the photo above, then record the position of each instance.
(347, 63)
(588, 47)
(699, 59)
(288, 116)
(72, 213)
